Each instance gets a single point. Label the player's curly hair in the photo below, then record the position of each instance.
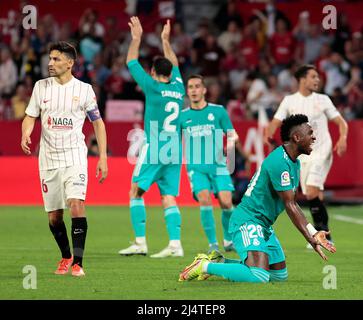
(289, 123)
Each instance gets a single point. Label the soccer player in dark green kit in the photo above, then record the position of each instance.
(204, 125)
(164, 93)
(271, 189)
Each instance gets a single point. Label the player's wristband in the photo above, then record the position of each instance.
(311, 229)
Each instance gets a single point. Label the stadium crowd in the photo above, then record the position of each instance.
(249, 62)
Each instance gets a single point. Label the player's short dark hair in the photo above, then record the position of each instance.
(162, 66)
(64, 47)
(303, 70)
(289, 123)
(196, 76)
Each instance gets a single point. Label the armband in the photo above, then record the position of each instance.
(94, 114)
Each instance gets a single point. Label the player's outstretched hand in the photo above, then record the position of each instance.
(322, 241)
(25, 142)
(136, 28)
(341, 147)
(102, 167)
(165, 34)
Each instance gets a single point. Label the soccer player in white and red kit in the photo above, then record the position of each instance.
(314, 167)
(62, 102)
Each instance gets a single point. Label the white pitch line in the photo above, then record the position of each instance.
(347, 219)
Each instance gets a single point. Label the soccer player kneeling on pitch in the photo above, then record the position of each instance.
(271, 189)
(62, 102)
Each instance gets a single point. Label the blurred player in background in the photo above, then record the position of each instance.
(314, 168)
(164, 93)
(271, 190)
(203, 125)
(62, 102)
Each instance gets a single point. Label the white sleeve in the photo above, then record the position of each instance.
(91, 107)
(282, 111)
(91, 100)
(33, 108)
(329, 109)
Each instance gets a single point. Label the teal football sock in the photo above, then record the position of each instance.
(208, 224)
(238, 272)
(173, 222)
(226, 215)
(138, 216)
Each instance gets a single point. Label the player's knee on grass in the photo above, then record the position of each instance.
(278, 275)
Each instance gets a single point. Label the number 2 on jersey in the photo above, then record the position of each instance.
(171, 107)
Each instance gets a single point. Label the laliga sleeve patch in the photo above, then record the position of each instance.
(93, 114)
(285, 179)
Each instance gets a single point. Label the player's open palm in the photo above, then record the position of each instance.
(322, 241)
(165, 34)
(136, 28)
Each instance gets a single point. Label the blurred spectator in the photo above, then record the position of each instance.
(181, 44)
(153, 40)
(228, 12)
(114, 82)
(214, 94)
(90, 45)
(313, 42)
(336, 70)
(8, 73)
(98, 71)
(209, 59)
(342, 33)
(354, 92)
(19, 102)
(301, 30)
(238, 75)
(257, 95)
(286, 80)
(272, 14)
(354, 48)
(89, 23)
(249, 47)
(231, 37)
(281, 47)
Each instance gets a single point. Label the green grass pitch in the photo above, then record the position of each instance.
(26, 240)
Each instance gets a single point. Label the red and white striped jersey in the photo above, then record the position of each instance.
(62, 110)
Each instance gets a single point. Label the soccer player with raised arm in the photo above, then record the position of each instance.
(204, 125)
(271, 190)
(160, 159)
(315, 167)
(63, 102)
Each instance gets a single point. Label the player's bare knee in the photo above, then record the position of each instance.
(204, 199)
(76, 207)
(226, 204)
(55, 218)
(135, 192)
(168, 201)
